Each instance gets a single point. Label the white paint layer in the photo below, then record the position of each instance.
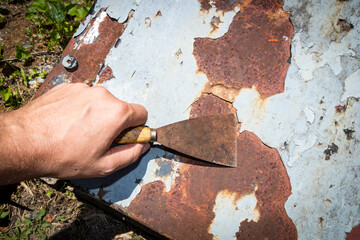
(155, 66)
(319, 145)
(151, 175)
(230, 210)
(92, 34)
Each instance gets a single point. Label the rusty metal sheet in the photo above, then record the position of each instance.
(298, 111)
(89, 50)
(254, 51)
(354, 234)
(204, 200)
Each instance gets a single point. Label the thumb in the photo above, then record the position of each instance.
(121, 156)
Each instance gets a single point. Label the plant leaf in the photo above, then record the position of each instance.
(22, 53)
(30, 15)
(49, 193)
(24, 77)
(4, 214)
(40, 214)
(39, 5)
(2, 18)
(41, 234)
(56, 11)
(26, 233)
(45, 224)
(81, 13)
(6, 94)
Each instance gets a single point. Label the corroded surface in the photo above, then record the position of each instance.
(354, 234)
(233, 56)
(186, 212)
(254, 52)
(105, 75)
(314, 124)
(187, 199)
(90, 55)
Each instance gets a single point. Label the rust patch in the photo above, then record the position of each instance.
(105, 75)
(244, 57)
(354, 234)
(205, 4)
(186, 211)
(209, 104)
(101, 193)
(349, 133)
(331, 149)
(90, 57)
(344, 25)
(158, 14)
(268, 5)
(221, 5)
(340, 108)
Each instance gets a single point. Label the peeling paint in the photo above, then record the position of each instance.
(304, 124)
(227, 93)
(104, 75)
(91, 35)
(351, 86)
(158, 169)
(230, 210)
(139, 42)
(90, 57)
(226, 56)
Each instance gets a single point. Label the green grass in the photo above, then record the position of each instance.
(57, 20)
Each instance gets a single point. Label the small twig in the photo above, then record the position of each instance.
(27, 189)
(20, 92)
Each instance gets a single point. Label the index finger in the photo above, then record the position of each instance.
(137, 115)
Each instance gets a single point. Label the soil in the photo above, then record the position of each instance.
(70, 216)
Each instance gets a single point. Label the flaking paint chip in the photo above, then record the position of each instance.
(147, 22)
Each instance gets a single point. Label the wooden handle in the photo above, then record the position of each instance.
(136, 135)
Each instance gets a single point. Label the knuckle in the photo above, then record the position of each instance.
(124, 109)
(100, 91)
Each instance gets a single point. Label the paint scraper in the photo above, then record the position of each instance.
(210, 138)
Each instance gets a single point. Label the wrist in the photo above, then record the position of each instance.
(19, 161)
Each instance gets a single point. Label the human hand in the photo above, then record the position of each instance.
(67, 133)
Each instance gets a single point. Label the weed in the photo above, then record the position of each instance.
(2, 18)
(28, 226)
(22, 53)
(68, 193)
(11, 98)
(57, 20)
(4, 213)
(49, 193)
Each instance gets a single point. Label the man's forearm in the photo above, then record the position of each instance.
(68, 133)
(16, 163)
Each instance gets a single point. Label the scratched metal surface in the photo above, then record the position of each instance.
(295, 87)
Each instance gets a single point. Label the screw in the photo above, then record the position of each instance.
(70, 63)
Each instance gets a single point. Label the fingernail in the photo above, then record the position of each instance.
(146, 147)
